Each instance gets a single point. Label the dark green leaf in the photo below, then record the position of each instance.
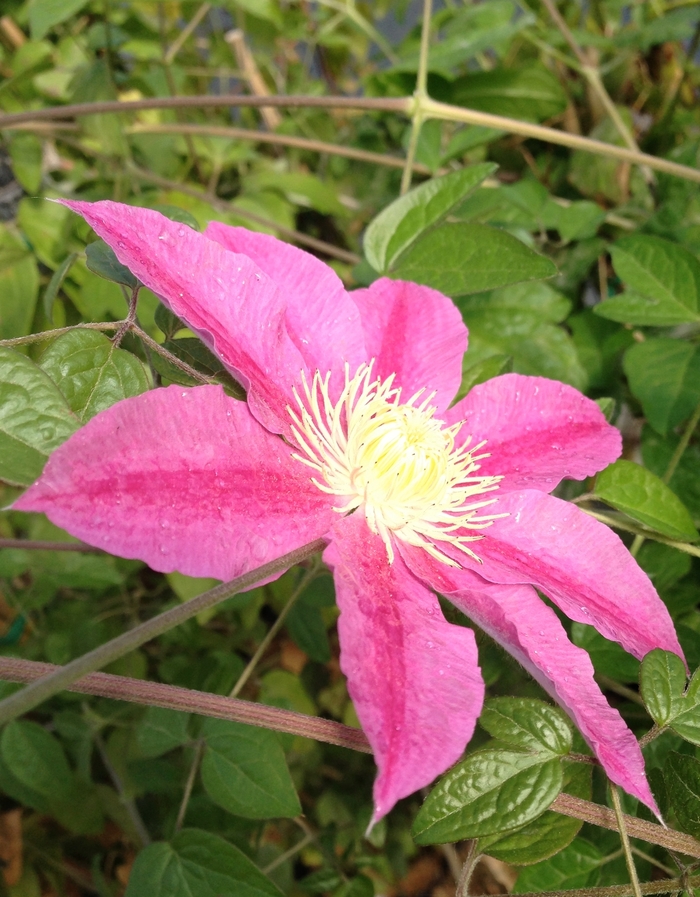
(175, 213)
(398, 226)
(37, 760)
(167, 321)
(91, 373)
(664, 374)
(359, 886)
(609, 659)
(197, 863)
(577, 866)
(491, 791)
(663, 281)
(528, 724)
(682, 775)
(101, 260)
(481, 371)
(244, 771)
(661, 683)
(34, 418)
(307, 629)
(160, 730)
(643, 496)
(320, 881)
(459, 259)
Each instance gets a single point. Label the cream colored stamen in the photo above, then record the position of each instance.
(393, 460)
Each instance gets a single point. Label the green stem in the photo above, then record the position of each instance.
(470, 862)
(629, 859)
(421, 93)
(242, 679)
(34, 694)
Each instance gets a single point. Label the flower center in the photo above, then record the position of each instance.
(393, 460)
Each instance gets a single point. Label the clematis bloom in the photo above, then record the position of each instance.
(347, 434)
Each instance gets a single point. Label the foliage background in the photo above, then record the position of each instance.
(88, 784)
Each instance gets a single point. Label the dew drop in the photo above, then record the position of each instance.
(121, 244)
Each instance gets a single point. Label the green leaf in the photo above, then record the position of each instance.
(640, 494)
(37, 760)
(44, 14)
(528, 724)
(682, 776)
(398, 226)
(664, 374)
(245, 772)
(101, 260)
(34, 418)
(687, 723)
(307, 629)
(481, 371)
(54, 286)
(359, 886)
(661, 683)
(531, 92)
(491, 791)
(609, 659)
(19, 286)
(459, 259)
(546, 835)
(91, 373)
(577, 866)
(197, 863)
(663, 281)
(26, 155)
(160, 730)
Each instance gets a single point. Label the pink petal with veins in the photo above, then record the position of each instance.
(516, 618)
(580, 564)
(183, 479)
(414, 678)
(226, 299)
(416, 333)
(538, 431)
(321, 318)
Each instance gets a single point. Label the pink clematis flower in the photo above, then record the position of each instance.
(348, 434)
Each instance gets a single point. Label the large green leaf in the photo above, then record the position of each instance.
(682, 776)
(34, 418)
(491, 791)
(577, 866)
(197, 864)
(661, 683)
(459, 259)
(102, 260)
(160, 730)
(531, 92)
(663, 281)
(640, 494)
(399, 225)
(664, 374)
(92, 373)
(37, 760)
(528, 724)
(44, 14)
(245, 772)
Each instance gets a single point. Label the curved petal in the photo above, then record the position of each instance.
(417, 334)
(580, 564)
(183, 479)
(413, 677)
(225, 298)
(322, 320)
(516, 618)
(537, 431)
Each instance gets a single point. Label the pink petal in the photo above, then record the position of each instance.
(322, 320)
(538, 431)
(413, 677)
(416, 333)
(580, 564)
(183, 479)
(516, 618)
(236, 309)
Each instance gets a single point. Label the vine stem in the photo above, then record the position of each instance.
(63, 677)
(646, 534)
(470, 863)
(624, 838)
(238, 687)
(172, 697)
(420, 94)
(401, 105)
